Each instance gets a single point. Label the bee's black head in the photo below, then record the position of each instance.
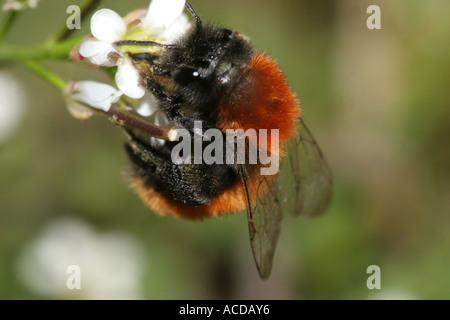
(205, 61)
(208, 62)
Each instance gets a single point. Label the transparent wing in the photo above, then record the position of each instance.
(305, 179)
(303, 186)
(264, 216)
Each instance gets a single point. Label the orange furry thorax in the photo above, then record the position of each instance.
(261, 99)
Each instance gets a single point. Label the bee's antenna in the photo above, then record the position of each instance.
(139, 43)
(194, 14)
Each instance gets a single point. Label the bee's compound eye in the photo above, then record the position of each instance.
(185, 76)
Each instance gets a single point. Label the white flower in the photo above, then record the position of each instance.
(33, 3)
(15, 5)
(12, 105)
(108, 27)
(163, 22)
(83, 95)
(110, 264)
(393, 294)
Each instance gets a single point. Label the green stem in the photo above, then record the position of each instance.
(6, 24)
(64, 33)
(18, 53)
(46, 74)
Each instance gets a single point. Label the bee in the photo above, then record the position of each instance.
(215, 76)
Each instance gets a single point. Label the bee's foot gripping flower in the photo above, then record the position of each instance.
(163, 22)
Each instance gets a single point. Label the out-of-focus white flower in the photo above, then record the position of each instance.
(16, 5)
(110, 264)
(12, 105)
(163, 22)
(82, 95)
(13, 5)
(33, 3)
(393, 294)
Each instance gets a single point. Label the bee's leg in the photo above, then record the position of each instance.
(193, 184)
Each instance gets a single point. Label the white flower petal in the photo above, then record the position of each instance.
(138, 14)
(175, 30)
(12, 104)
(162, 13)
(107, 26)
(147, 105)
(78, 110)
(162, 121)
(98, 52)
(128, 80)
(97, 95)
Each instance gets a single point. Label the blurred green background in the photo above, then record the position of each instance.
(378, 102)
